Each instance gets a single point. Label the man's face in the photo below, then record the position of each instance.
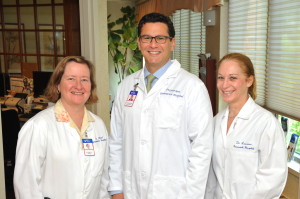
(156, 54)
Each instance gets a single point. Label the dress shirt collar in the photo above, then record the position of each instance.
(63, 116)
(160, 71)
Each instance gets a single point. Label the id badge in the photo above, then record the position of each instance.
(131, 98)
(88, 147)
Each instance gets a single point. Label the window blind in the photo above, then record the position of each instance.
(248, 35)
(283, 65)
(190, 39)
(269, 33)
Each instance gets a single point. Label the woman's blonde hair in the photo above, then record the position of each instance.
(52, 93)
(246, 64)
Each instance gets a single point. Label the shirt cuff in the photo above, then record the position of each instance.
(115, 192)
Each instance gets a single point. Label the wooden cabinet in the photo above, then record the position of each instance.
(208, 75)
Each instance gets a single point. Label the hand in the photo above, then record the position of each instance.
(118, 196)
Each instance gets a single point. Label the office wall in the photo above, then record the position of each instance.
(216, 40)
(93, 30)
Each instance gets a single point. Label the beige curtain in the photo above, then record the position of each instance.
(168, 7)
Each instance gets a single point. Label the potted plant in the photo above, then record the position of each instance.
(122, 43)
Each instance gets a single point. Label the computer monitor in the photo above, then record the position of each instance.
(40, 82)
(4, 84)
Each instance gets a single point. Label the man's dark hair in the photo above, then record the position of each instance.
(157, 17)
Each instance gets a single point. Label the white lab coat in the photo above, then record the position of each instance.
(50, 161)
(160, 148)
(250, 162)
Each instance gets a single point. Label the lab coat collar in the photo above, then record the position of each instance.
(244, 114)
(63, 116)
(245, 111)
(160, 71)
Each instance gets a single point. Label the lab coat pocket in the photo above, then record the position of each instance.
(242, 190)
(166, 187)
(169, 112)
(244, 162)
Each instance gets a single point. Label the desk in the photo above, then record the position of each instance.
(2, 100)
(25, 117)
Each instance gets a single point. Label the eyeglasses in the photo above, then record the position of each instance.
(160, 39)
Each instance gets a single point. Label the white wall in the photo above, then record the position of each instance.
(93, 30)
(223, 41)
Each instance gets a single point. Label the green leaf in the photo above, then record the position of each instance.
(125, 45)
(133, 69)
(120, 20)
(133, 46)
(138, 54)
(111, 46)
(119, 57)
(119, 31)
(134, 32)
(127, 9)
(111, 25)
(115, 38)
(127, 35)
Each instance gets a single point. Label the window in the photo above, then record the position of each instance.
(190, 39)
(291, 127)
(283, 58)
(248, 34)
(27, 38)
(268, 31)
(37, 32)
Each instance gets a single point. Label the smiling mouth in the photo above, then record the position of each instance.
(227, 92)
(154, 52)
(77, 93)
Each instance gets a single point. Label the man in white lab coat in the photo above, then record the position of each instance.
(161, 139)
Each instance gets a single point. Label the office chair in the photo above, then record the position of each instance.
(10, 130)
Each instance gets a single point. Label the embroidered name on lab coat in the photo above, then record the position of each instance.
(243, 145)
(172, 92)
(100, 139)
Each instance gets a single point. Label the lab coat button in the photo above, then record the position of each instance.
(143, 174)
